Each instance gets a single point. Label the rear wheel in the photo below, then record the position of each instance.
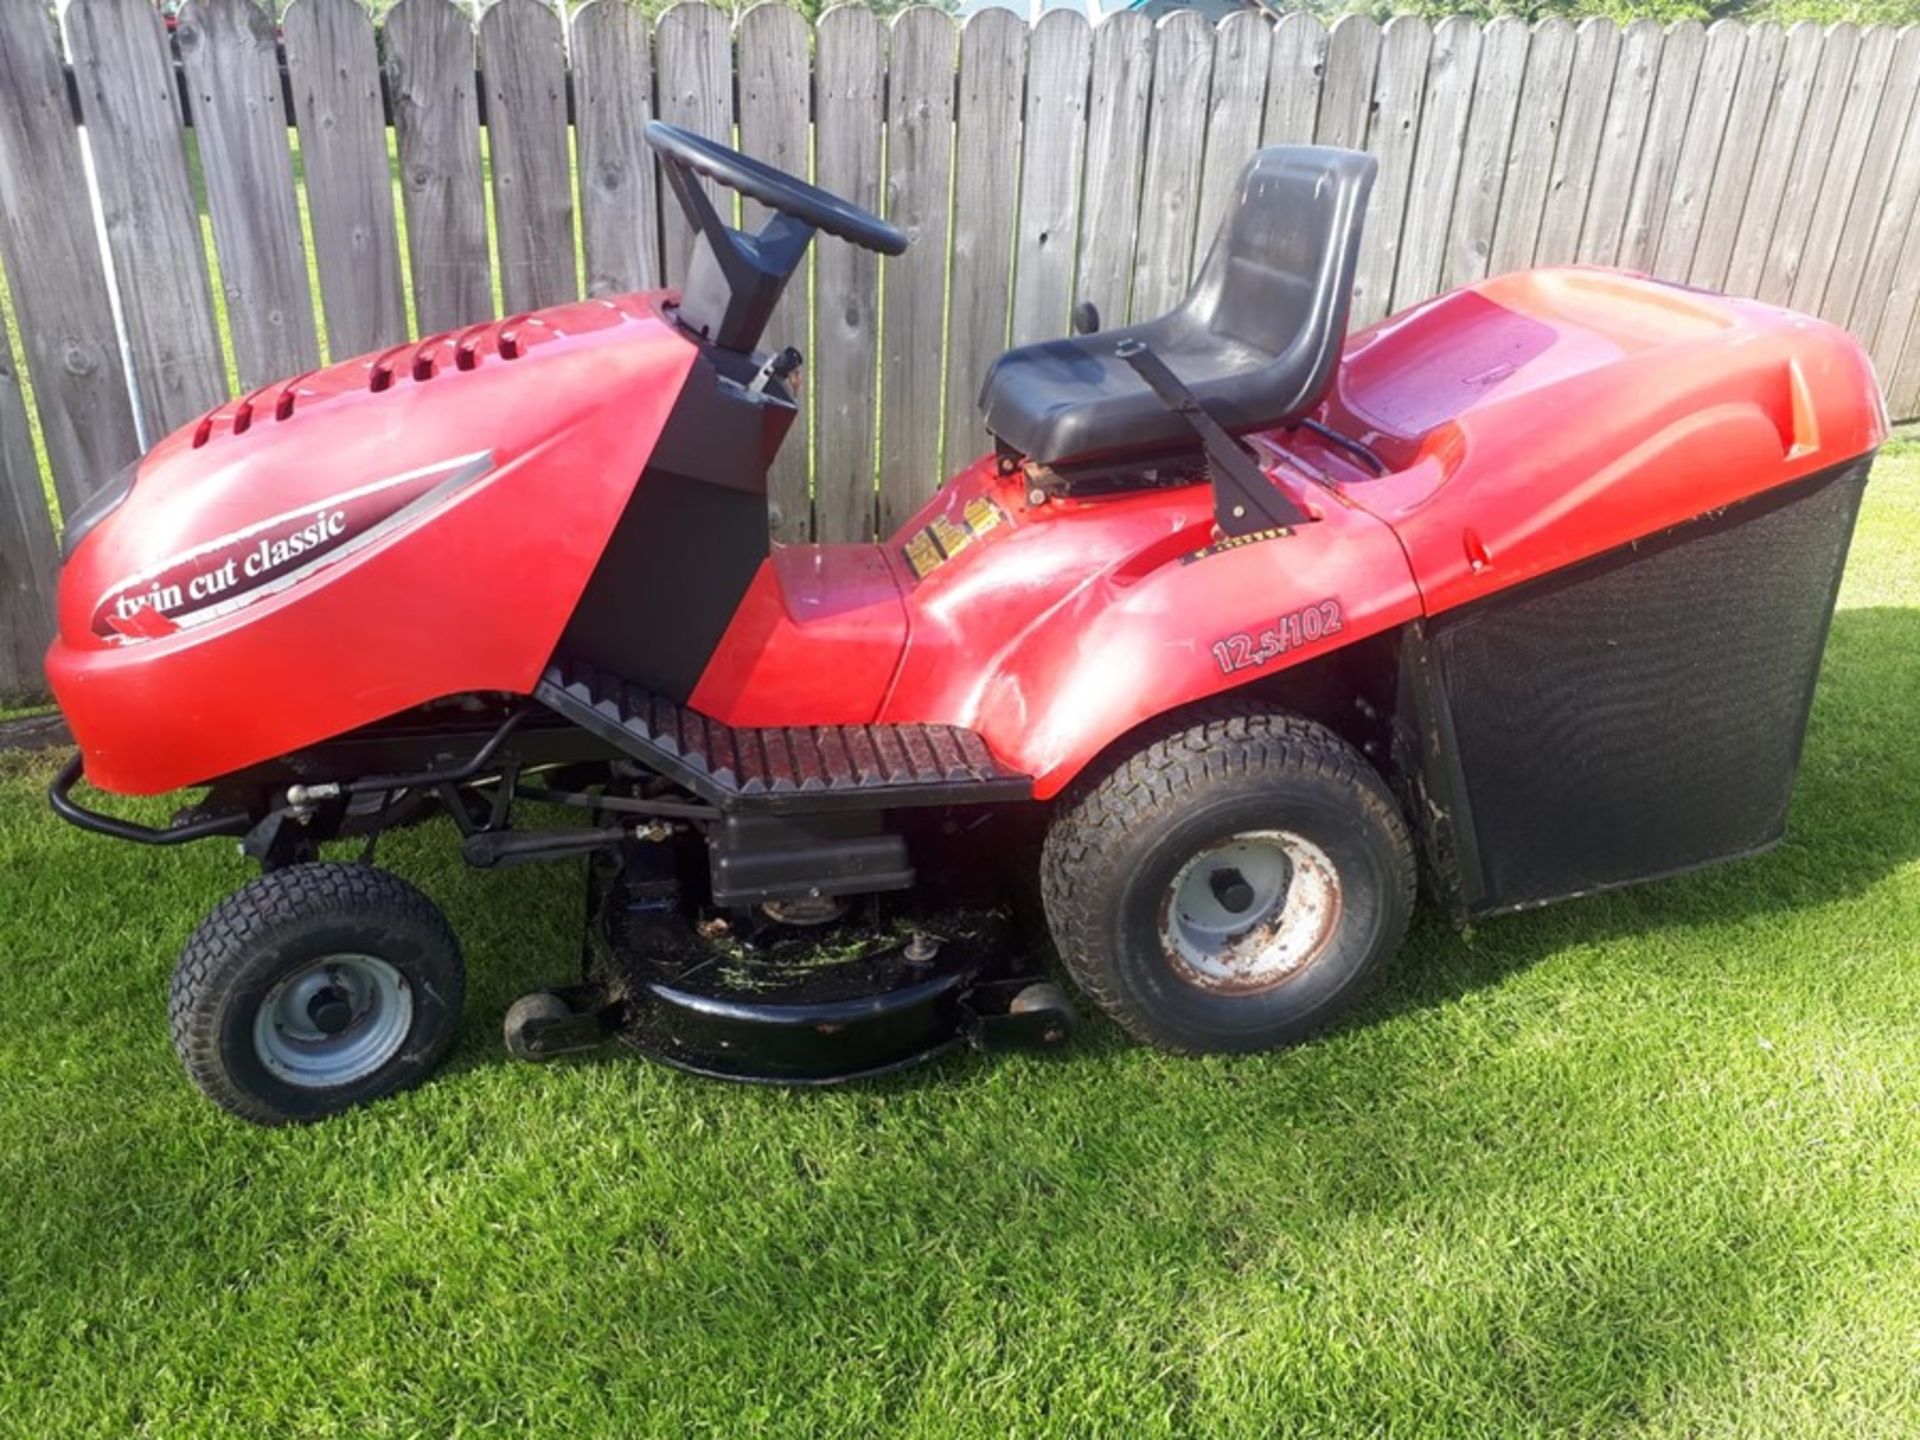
(1233, 885)
(315, 988)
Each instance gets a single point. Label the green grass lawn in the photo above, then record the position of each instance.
(1647, 1164)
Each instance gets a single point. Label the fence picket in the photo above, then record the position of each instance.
(1443, 131)
(774, 80)
(436, 126)
(1813, 157)
(1583, 123)
(1170, 187)
(1884, 299)
(919, 169)
(1059, 63)
(1862, 219)
(852, 67)
(1745, 128)
(1536, 134)
(1843, 173)
(28, 556)
(131, 109)
(619, 193)
(1242, 50)
(1903, 383)
(1399, 87)
(1346, 90)
(993, 73)
(49, 250)
(1684, 213)
(334, 67)
(523, 55)
(233, 81)
(1653, 177)
(1800, 63)
(1293, 80)
(1628, 111)
(1483, 159)
(695, 54)
(1116, 141)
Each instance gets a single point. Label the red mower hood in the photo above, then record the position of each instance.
(497, 441)
(302, 473)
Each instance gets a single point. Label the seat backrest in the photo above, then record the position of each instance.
(1279, 278)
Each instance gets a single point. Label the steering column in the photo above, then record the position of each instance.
(735, 279)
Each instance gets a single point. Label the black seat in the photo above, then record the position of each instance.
(1256, 339)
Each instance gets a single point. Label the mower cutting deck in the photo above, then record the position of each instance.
(1244, 626)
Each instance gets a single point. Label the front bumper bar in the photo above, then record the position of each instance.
(60, 796)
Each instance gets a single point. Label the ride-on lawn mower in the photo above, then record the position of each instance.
(1531, 581)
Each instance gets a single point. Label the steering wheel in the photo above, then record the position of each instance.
(775, 189)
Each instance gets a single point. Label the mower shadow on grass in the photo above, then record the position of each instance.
(1855, 819)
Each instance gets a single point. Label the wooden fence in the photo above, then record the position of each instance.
(1030, 168)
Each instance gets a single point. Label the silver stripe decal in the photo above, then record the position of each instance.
(471, 468)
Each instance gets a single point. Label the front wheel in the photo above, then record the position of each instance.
(1231, 886)
(315, 988)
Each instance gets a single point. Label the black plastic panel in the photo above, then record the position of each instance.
(1642, 713)
(691, 537)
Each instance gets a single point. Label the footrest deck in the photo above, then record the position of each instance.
(782, 767)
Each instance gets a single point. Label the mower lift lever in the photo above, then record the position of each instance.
(1244, 500)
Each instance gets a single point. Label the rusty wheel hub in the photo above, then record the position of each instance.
(1250, 912)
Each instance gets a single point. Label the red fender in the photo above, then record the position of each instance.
(1069, 624)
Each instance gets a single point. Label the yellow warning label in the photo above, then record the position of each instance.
(951, 538)
(982, 515)
(931, 546)
(923, 556)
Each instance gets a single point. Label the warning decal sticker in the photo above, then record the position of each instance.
(931, 546)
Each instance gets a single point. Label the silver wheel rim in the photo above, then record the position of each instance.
(1250, 912)
(333, 1022)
